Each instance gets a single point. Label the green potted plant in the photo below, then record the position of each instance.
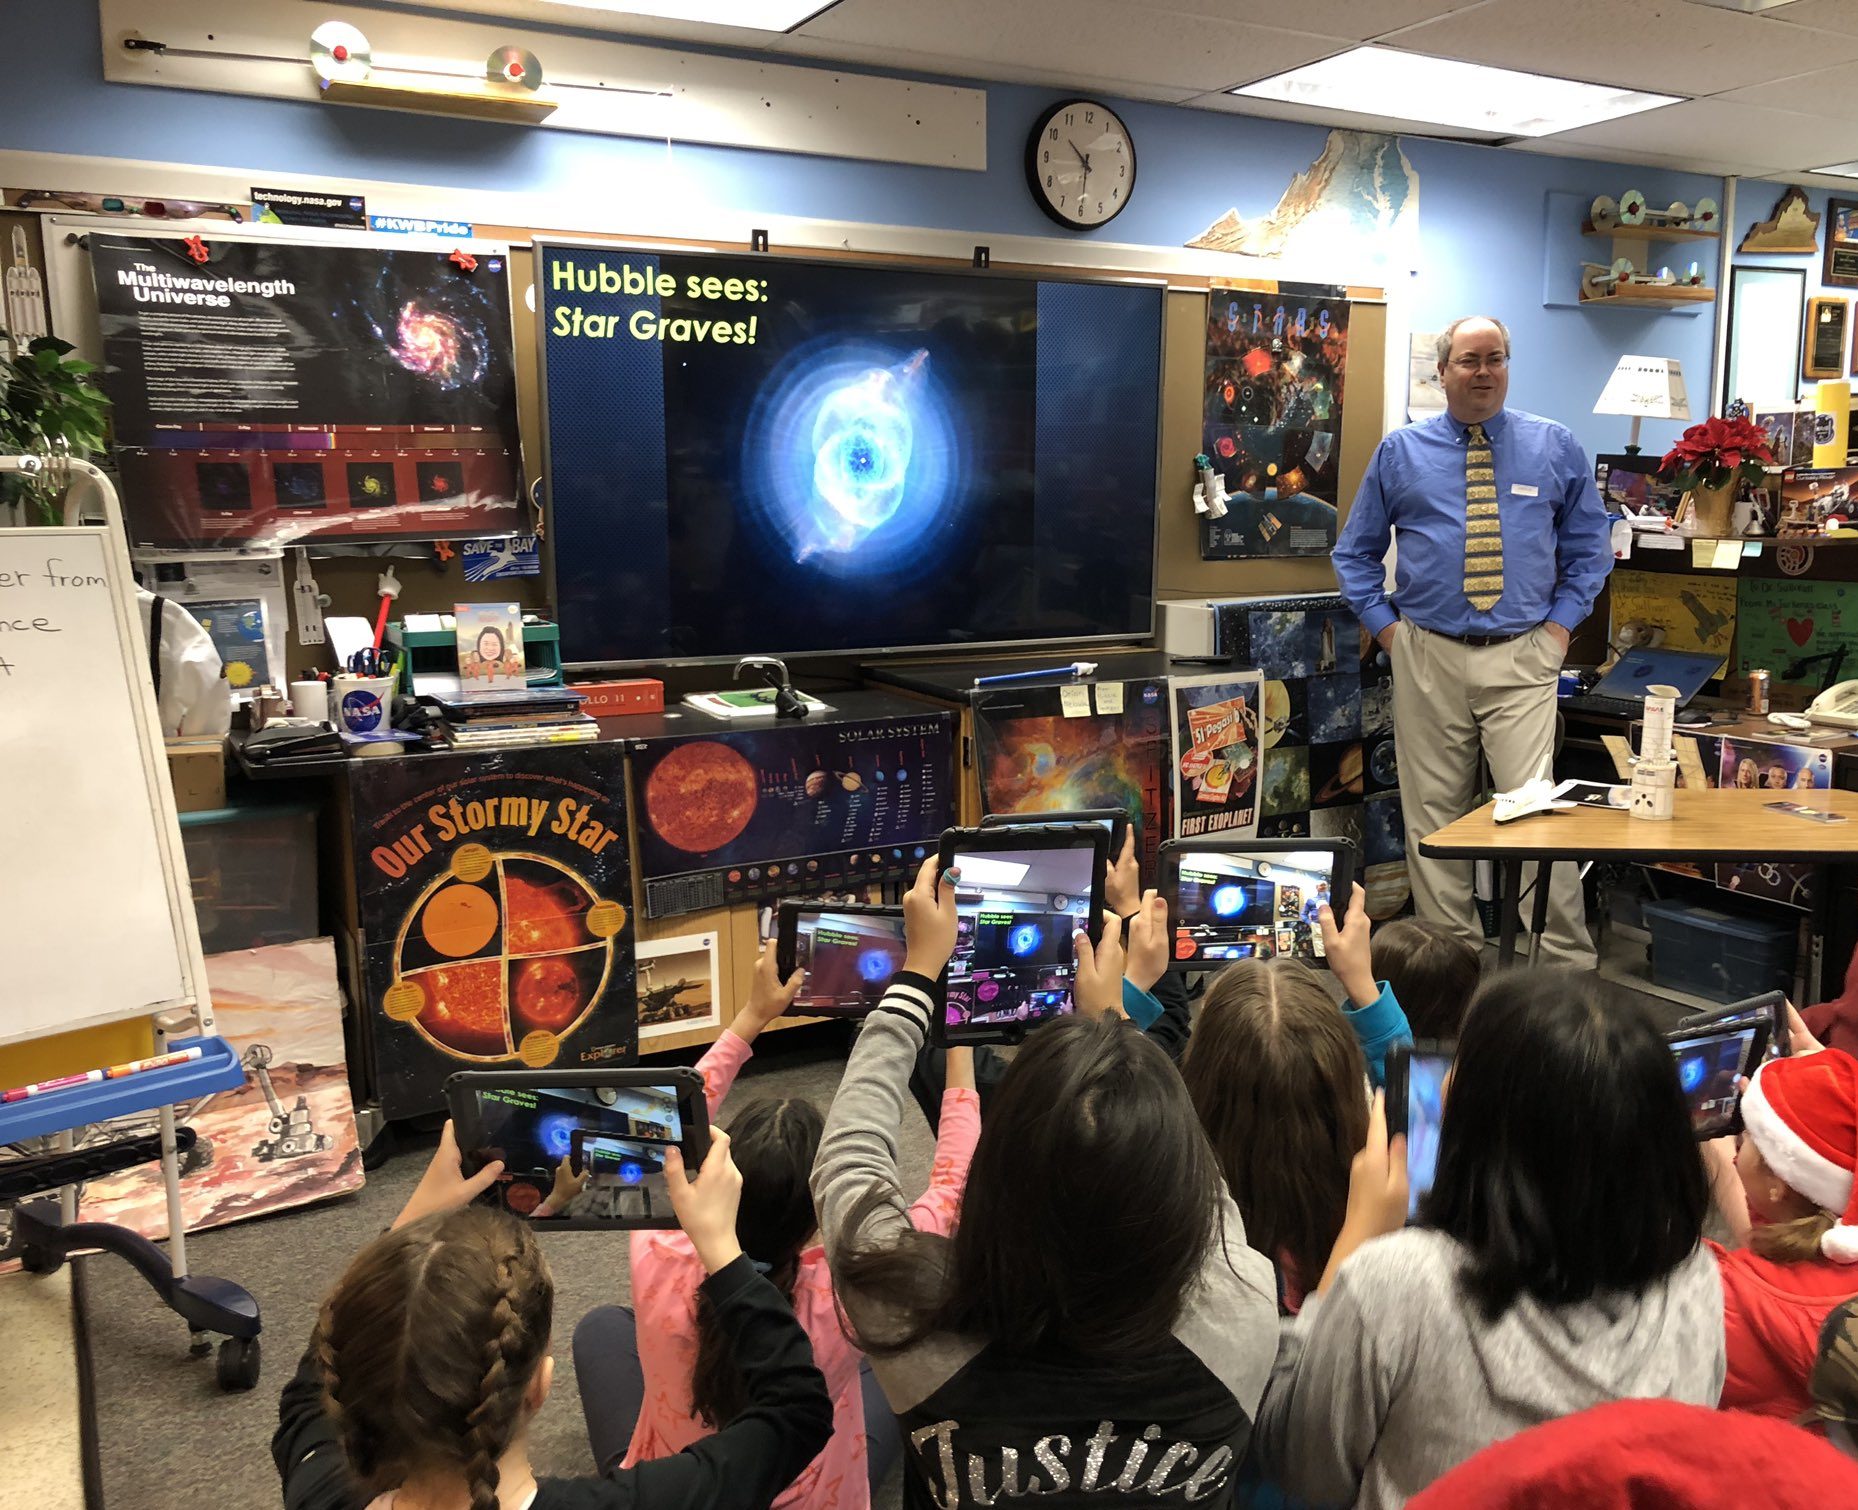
(1712, 461)
(48, 407)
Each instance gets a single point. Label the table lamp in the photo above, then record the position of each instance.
(1645, 387)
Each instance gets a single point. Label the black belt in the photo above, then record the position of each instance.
(1483, 641)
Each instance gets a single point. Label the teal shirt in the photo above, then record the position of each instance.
(1379, 1026)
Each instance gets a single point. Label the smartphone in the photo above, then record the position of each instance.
(1769, 1007)
(581, 1149)
(1023, 893)
(849, 953)
(1709, 1062)
(1251, 898)
(1114, 819)
(1416, 1075)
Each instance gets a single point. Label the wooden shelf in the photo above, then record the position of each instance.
(1648, 233)
(480, 101)
(1652, 296)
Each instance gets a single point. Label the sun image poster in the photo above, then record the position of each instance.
(1218, 753)
(678, 986)
(285, 1138)
(1271, 417)
(266, 393)
(495, 897)
(1036, 756)
(798, 809)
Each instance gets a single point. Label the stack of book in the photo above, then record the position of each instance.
(526, 716)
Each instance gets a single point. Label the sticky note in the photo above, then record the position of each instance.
(1109, 697)
(1750, 548)
(1728, 555)
(1074, 701)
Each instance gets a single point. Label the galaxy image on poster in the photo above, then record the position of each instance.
(1272, 418)
(268, 393)
(1330, 770)
(920, 456)
(790, 810)
(1035, 757)
(494, 897)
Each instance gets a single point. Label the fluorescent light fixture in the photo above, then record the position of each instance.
(983, 871)
(750, 15)
(1317, 860)
(1432, 91)
(1839, 170)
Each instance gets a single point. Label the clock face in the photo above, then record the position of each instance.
(1080, 162)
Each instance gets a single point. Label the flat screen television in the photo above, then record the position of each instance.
(754, 453)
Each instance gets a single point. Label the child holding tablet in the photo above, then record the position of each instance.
(651, 1387)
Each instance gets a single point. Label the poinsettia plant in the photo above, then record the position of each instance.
(1716, 453)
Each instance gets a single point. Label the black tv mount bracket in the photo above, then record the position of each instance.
(773, 672)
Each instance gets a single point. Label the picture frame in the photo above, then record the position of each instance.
(1841, 261)
(1823, 348)
(1765, 304)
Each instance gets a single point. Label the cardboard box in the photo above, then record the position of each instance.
(197, 770)
(612, 699)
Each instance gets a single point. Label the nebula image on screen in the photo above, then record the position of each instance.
(851, 455)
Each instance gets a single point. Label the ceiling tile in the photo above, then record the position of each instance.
(586, 18)
(1099, 40)
(1661, 45)
(1831, 92)
(1286, 110)
(1549, 146)
(1351, 20)
(1721, 132)
(1828, 15)
(862, 55)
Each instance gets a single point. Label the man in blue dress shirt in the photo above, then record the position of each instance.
(1501, 547)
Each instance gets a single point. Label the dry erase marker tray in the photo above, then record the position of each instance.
(217, 1069)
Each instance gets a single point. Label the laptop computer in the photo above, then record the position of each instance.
(1623, 690)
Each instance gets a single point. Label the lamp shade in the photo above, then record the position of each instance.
(1646, 388)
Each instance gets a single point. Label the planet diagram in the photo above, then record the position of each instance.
(701, 796)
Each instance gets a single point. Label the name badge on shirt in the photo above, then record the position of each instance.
(1523, 490)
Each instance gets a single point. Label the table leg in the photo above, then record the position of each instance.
(1812, 972)
(1538, 917)
(1509, 888)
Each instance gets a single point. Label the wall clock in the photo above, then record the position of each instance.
(1080, 163)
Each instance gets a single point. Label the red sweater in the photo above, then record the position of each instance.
(1772, 1316)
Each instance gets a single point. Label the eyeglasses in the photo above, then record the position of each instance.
(110, 204)
(1495, 363)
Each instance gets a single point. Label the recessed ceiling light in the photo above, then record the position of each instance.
(1748, 7)
(1839, 170)
(1431, 91)
(979, 870)
(750, 15)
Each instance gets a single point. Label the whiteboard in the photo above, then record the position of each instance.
(96, 918)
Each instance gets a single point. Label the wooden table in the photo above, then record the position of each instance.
(1706, 825)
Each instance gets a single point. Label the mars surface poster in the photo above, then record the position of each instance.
(1272, 417)
(796, 810)
(495, 912)
(267, 393)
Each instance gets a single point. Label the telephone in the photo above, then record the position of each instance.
(1837, 706)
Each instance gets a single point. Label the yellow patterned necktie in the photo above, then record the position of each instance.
(1483, 530)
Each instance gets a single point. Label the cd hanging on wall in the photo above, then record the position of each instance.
(512, 65)
(340, 53)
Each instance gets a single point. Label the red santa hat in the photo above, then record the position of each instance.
(1650, 1455)
(1803, 1115)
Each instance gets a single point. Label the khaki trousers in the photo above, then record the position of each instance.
(1450, 699)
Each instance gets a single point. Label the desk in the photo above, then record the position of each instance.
(1712, 825)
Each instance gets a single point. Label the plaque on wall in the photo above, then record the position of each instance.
(1826, 320)
(1841, 269)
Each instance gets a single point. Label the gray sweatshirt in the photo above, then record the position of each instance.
(981, 1426)
(1395, 1377)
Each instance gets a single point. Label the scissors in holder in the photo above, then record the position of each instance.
(365, 663)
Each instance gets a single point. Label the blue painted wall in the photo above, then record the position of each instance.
(1755, 202)
(1480, 220)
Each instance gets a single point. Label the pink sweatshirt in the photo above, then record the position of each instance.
(665, 1276)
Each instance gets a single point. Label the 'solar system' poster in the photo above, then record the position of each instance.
(494, 909)
(266, 393)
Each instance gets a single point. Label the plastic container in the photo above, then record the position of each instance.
(253, 871)
(1720, 956)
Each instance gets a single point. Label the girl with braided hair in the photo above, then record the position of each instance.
(654, 1384)
(431, 1356)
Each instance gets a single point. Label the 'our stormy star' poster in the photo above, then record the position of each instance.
(266, 393)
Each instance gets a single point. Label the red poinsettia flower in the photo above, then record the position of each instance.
(1717, 452)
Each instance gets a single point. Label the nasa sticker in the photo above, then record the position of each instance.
(1151, 695)
(361, 712)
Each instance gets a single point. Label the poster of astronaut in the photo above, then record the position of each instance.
(1272, 418)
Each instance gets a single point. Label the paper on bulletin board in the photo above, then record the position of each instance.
(1782, 621)
(1696, 612)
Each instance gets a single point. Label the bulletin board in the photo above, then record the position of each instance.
(1781, 620)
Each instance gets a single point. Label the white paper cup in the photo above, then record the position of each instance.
(363, 704)
(310, 700)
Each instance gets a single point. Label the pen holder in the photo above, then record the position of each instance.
(1654, 785)
(363, 704)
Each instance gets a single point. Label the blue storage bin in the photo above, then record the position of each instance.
(1722, 956)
